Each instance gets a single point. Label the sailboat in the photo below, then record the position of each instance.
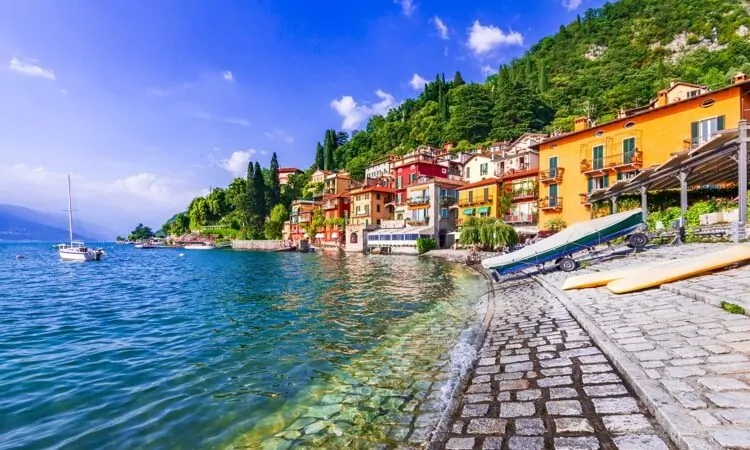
(76, 250)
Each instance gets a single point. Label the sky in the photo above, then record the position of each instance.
(149, 104)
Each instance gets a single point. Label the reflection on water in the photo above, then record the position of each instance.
(214, 349)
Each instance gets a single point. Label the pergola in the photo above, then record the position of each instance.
(720, 160)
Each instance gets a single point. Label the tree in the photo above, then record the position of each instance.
(470, 117)
(319, 157)
(275, 224)
(235, 194)
(457, 80)
(258, 206)
(178, 225)
(294, 188)
(141, 233)
(274, 186)
(329, 148)
(517, 110)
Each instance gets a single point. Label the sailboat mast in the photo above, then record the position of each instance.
(70, 213)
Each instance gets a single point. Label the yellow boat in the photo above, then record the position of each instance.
(597, 279)
(684, 269)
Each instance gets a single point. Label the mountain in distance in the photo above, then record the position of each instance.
(18, 223)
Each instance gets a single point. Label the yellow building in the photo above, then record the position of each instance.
(369, 205)
(480, 199)
(592, 157)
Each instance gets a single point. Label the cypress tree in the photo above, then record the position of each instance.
(319, 158)
(274, 188)
(458, 80)
(543, 84)
(329, 147)
(247, 201)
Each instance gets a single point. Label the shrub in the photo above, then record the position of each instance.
(732, 308)
(487, 233)
(556, 224)
(425, 244)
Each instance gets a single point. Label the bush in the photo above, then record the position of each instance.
(424, 244)
(556, 224)
(487, 233)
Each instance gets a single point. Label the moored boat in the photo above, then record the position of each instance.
(76, 250)
(200, 246)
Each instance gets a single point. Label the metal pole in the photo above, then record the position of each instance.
(644, 202)
(683, 196)
(613, 199)
(742, 175)
(70, 213)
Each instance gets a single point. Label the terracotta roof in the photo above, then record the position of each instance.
(486, 182)
(437, 180)
(288, 169)
(371, 188)
(638, 114)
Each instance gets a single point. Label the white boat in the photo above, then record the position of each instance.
(76, 250)
(200, 246)
(144, 245)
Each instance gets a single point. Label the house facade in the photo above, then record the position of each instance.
(370, 205)
(336, 211)
(380, 167)
(480, 199)
(517, 165)
(285, 173)
(301, 215)
(408, 169)
(591, 157)
(477, 168)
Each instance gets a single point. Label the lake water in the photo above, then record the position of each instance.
(170, 348)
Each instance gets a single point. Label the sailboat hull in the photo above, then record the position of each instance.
(76, 254)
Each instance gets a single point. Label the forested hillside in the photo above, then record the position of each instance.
(614, 57)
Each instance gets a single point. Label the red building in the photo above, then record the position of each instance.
(407, 170)
(336, 211)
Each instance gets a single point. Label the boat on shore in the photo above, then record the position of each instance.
(200, 246)
(76, 250)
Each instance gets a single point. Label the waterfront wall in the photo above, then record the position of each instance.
(259, 245)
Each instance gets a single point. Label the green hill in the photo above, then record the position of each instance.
(617, 56)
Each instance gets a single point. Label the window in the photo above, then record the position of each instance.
(399, 182)
(367, 196)
(377, 196)
(412, 178)
(705, 130)
(598, 157)
(483, 169)
(377, 208)
(598, 183)
(468, 172)
(486, 194)
(357, 210)
(471, 197)
(626, 175)
(630, 124)
(444, 213)
(552, 194)
(367, 210)
(709, 102)
(553, 167)
(628, 150)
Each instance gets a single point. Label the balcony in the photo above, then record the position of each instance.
(523, 194)
(584, 198)
(330, 205)
(552, 175)
(519, 218)
(510, 171)
(448, 201)
(474, 201)
(416, 201)
(693, 143)
(418, 222)
(361, 214)
(550, 203)
(621, 162)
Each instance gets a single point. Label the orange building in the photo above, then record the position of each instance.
(592, 157)
(301, 216)
(336, 211)
(369, 205)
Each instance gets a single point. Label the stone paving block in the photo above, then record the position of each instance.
(557, 371)
(529, 395)
(730, 399)
(554, 381)
(627, 423)
(460, 444)
(577, 443)
(479, 388)
(478, 398)
(509, 376)
(640, 442)
(513, 359)
(600, 378)
(475, 410)
(596, 368)
(705, 418)
(525, 443)
(616, 405)
(732, 437)
(503, 396)
(738, 416)
(556, 393)
(486, 426)
(530, 427)
(722, 383)
(573, 425)
(564, 407)
(513, 385)
(517, 409)
(486, 362)
(605, 390)
(457, 427)
(684, 371)
(492, 443)
(519, 367)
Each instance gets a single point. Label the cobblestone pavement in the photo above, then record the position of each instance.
(688, 360)
(540, 383)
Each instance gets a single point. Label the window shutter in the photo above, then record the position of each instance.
(694, 131)
(606, 180)
(720, 123)
(591, 184)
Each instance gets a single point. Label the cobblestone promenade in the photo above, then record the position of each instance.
(540, 383)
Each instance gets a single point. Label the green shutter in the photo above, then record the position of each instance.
(694, 131)
(591, 184)
(720, 123)
(606, 180)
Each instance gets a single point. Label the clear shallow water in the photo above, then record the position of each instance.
(224, 349)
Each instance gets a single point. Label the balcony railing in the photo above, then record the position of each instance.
(615, 163)
(475, 201)
(361, 214)
(523, 193)
(509, 171)
(550, 203)
(693, 143)
(584, 199)
(418, 201)
(448, 201)
(552, 175)
(520, 218)
(329, 205)
(418, 222)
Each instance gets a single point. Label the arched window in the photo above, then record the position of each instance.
(708, 103)
(630, 124)
(353, 238)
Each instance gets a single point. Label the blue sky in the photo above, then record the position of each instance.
(148, 104)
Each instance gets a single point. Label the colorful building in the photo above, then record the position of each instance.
(336, 211)
(517, 165)
(477, 168)
(480, 199)
(286, 172)
(380, 167)
(301, 215)
(371, 204)
(682, 117)
(407, 169)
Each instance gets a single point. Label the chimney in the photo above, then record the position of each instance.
(662, 99)
(739, 77)
(581, 123)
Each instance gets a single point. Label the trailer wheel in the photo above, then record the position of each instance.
(567, 264)
(637, 241)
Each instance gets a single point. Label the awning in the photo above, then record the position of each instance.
(469, 212)
(483, 210)
(320, 235)
(334, 235)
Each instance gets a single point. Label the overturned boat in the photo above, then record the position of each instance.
(563, 247)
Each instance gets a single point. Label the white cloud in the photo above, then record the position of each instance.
(407, 7)
(147, 185)
(485, 39)
(571, 5)
(487, 70)
(236, 164)
(280, 135)
(441, 28)
(237, 121)
(417, 82)
(30, 69)
(228, 75)
(354, 115)
(63, 91)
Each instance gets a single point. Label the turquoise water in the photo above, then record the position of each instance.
(170, 348)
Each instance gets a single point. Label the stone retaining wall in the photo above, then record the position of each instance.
(259, 245)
